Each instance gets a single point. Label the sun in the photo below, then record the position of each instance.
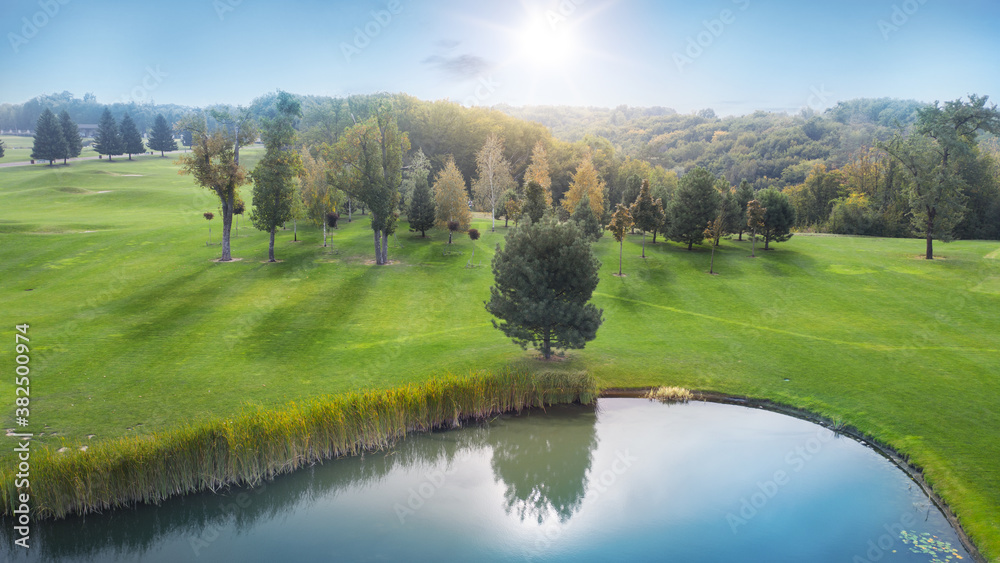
(545, 45)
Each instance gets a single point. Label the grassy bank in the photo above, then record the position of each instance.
(258, 444)
(136, 332)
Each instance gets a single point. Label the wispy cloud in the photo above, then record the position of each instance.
(460, 66)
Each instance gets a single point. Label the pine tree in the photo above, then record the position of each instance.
(647, 214)
(71, 133)
(779, 216)
(49, 144)
(534, 204)
(694, 205)
(421, 213)
(1, 148)
(588, 222)
(451, 197)
(161, 138)
(107, 140)
(130, 137)
(544, 277)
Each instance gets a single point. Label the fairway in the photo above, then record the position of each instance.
(135, 329)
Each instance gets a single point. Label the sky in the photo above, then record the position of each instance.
(734, 56)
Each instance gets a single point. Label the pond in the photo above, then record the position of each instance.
(629, 480)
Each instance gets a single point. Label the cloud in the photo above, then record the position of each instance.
(460, 66)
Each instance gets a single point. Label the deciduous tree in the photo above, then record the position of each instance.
(621, 223)
(544, 277)
(646, 213)
(779, 217)
(586, 186)
(744, 193)
(275, 173)
(755, 221)
(493, 176)
(451, 197)
(538, 171)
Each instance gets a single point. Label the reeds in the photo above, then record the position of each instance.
(260, 443)
(669, 394)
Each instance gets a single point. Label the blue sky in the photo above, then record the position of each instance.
(735, 56)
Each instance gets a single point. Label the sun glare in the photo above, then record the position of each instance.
(546, 45)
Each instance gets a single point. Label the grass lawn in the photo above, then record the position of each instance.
(135, 329)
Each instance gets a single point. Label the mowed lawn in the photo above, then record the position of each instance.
(135, 329)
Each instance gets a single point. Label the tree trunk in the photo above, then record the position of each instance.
(654, 237)
(385, 247)
(620, 246)
(690, 245)
(644, 244)
(767, 242)
(930, 234)
(505, 219)
(753, 246)
(295, 228)
(324, 232)
(378, 246)
(227, 224)
(493, 217)
(741, 236)
(350, 211)
(270, 248)
(711, 268)
(547, 345)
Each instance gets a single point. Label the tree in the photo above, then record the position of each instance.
(715, 231)
(755, 221)
(213, 163)
(107, 139)
(71, 133)
(646, 213)
(473, 236)
(695, 204)
(744, 194)
(588, 222)
(544, 277)
(420, 165)
(779, 216)
(49, 143)
(1, 148)
(586, 185)
(538, 171)
(274, 176)
(422, 211)
(373, 152)
(451, 198)
(493, 177)
(937, 200)
(130, 137)
(298, 206)
(534, 205)
(208, 215)
(621, 223)
(318, 197)
(503, 208)
(161, 137)
(453, 227)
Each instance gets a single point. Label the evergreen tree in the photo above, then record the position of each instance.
(1, 148)
(161, 138)
(744, 194)
(544, 277)
(779, 216)
(274, 175)
(451, 197)
(755, 222)
(588, 222)
(534, 205)
(49, 144)
(633, 185)
(107, 140)
(647, 213)
(694, 205)
(421, 213)
(71, 132)
(130, 137)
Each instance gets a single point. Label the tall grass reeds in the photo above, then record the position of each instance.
(260, 443)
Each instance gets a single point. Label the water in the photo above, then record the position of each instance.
(631, 480)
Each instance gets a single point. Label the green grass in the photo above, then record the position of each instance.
(134, 329)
